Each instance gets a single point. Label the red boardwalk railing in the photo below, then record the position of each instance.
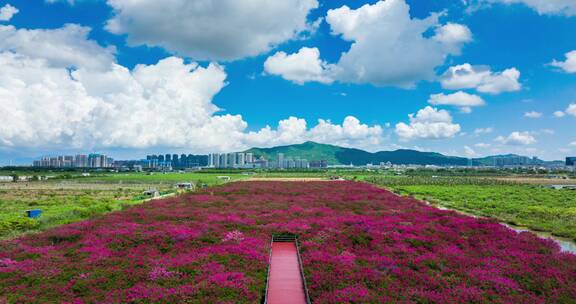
(285, 280)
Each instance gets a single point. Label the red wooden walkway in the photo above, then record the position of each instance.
(285, 283)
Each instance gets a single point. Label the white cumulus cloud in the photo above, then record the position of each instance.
(568, 65)
(517, 138)
(61, 47)
(460, 99)
(428, 123)
(570, 110)
(533, 114)
(351, 133)
(60, 90)
(168, 104)
(301, 67)
(7, 12)
(152, 105)
(211, 29)
(559, 114)
(543, 7)
(481, 78)
(388, 46)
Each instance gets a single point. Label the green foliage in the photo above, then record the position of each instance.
(535, 207)
(163, 178)
(422, 180)
(86, 197)
(58, 207)
(360, 239)
(17, 224)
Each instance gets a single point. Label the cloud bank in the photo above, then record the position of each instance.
(63, 47)
(388, 47)
(211, 29)
(50, 100)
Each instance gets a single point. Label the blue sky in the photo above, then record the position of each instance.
(266, 76)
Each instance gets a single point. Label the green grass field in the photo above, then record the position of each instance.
(535, 207)
(58, 207)
(162, 178)
(75, 198)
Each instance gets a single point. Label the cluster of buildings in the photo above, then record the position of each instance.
(239, 160)
(246, 160)
(283, 162)
(233, 160)
(168, 162)
(174, 161)
(515, 161)
(93, 160)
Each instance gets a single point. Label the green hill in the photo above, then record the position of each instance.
(308, 150)
(492, 160)
(344, 156)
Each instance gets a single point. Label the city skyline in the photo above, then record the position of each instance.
(456, 77)
(92, 160)
(295, 160)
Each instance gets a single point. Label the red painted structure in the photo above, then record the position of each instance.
(285, 282)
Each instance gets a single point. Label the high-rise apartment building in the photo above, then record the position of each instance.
(223, 160)
(281, 163)
(249, 158)
(78, 161)
(240, 159)
(231, 160)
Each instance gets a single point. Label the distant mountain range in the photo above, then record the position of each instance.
(336, 155)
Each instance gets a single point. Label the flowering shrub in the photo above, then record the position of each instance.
(233, 236)
(159, 273)
(6, 262)
(359, 244)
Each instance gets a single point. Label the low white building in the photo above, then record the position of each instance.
(185, 186)
(6, 179)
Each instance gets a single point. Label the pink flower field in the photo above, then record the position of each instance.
(359, 244)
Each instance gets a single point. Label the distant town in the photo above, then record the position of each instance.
(78, 161)
(247, 160)
(168, 162)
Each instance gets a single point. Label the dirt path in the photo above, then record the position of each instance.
(537, 181)
(288, 179)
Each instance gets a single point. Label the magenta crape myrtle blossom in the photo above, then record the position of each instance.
(359, 244)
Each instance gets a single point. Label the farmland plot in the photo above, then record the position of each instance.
(359, 244)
